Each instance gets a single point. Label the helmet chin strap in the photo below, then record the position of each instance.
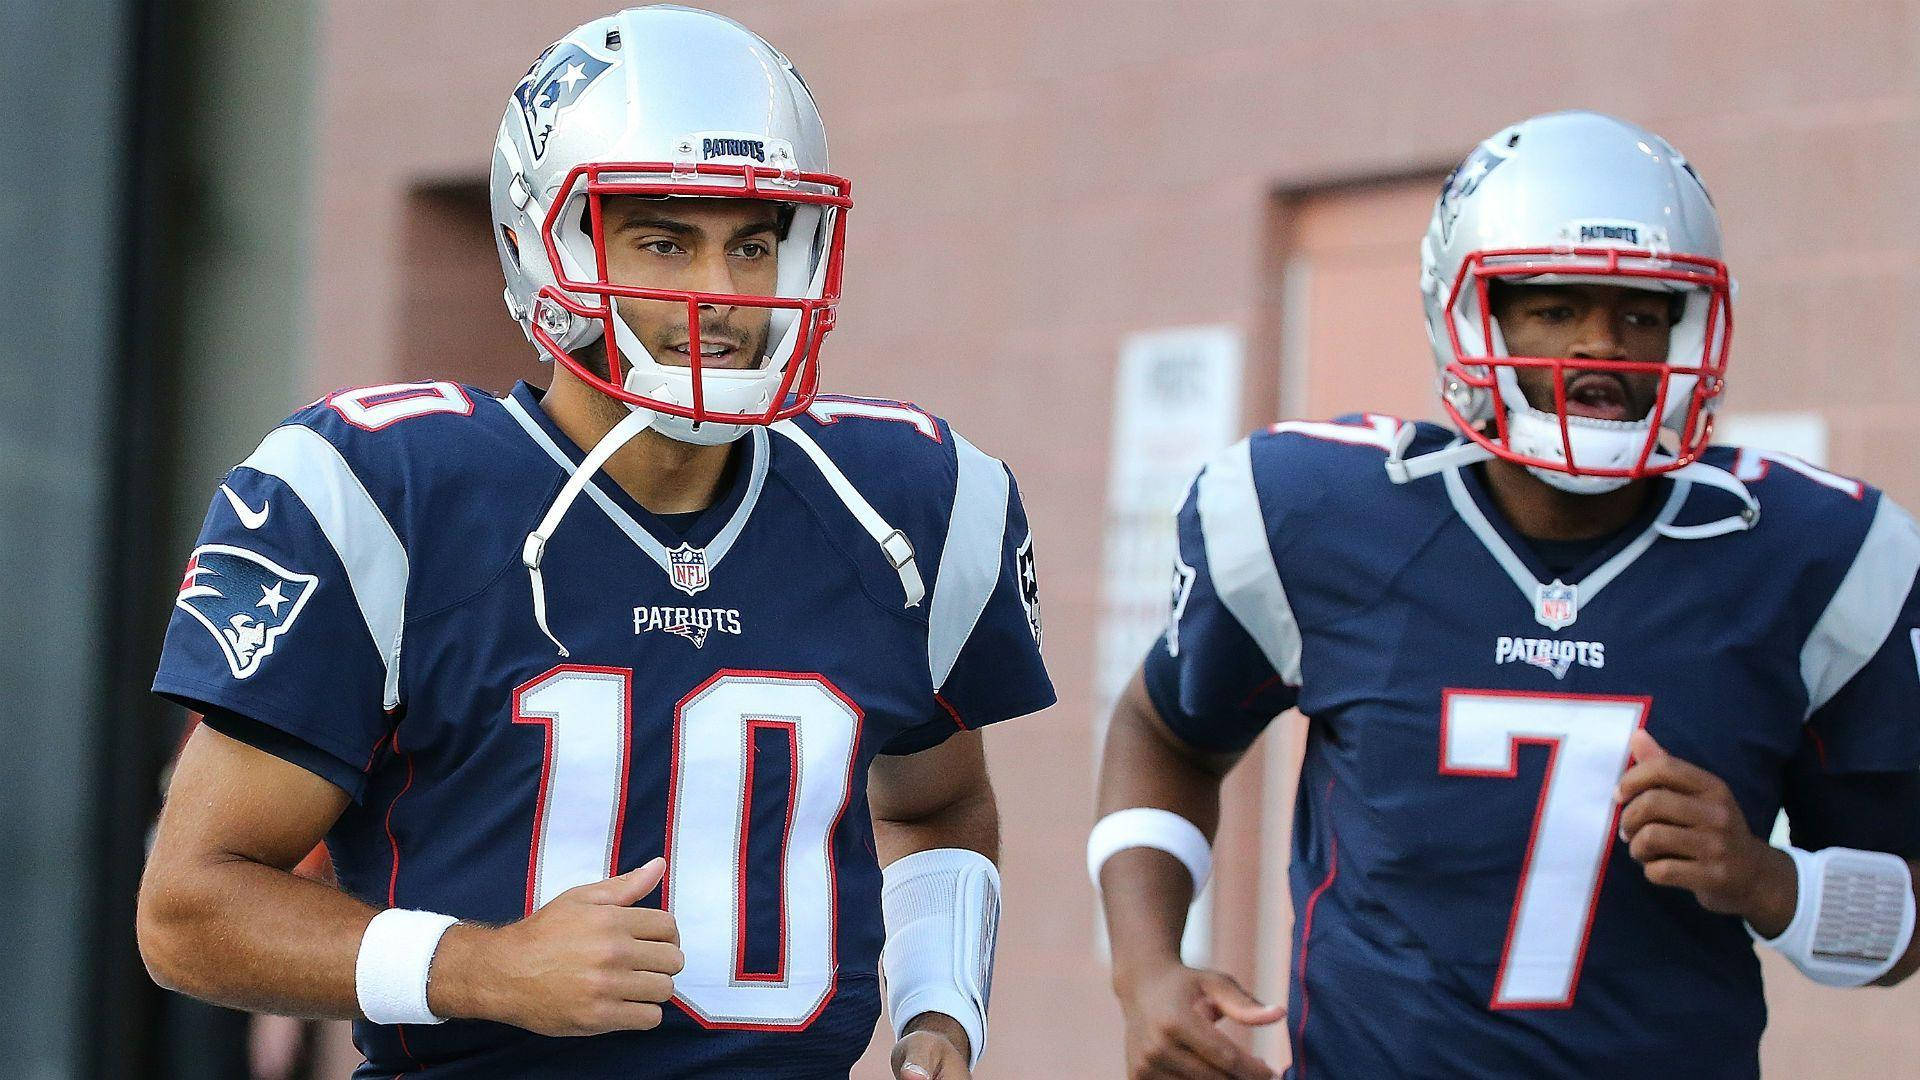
(1402, 469)
(636, 421)
(1701, 473)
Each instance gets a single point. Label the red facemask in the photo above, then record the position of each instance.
(1699, 353)
(807, 319)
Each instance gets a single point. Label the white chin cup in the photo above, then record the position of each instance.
(722, 390)
(1602, 444)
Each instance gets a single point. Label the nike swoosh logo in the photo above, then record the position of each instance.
(249, 517)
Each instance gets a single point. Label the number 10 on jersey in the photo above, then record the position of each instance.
(587, 714)
(1573, 823)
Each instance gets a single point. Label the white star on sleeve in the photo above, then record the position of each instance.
(271, 598)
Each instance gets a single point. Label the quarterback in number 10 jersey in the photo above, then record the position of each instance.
(1462, 904)
(358, 604)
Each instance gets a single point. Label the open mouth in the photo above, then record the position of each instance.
(712, 353)
(1600, 395)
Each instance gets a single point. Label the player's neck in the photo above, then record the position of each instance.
(1541, 511)
(664, 475)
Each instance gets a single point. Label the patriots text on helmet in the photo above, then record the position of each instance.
(734, 148)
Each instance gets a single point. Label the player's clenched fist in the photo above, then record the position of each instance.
(1683, 826)
(934, 1048)
(585, 963)
(1171, 1013)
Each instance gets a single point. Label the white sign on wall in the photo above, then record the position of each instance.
(1802, 434)
(1176, 404)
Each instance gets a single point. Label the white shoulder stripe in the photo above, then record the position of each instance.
(361, 536)
(1241, 561)
(969, 560)
(1865, 606)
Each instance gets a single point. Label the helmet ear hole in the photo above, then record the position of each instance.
(512, 244)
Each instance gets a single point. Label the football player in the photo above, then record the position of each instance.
(1562, 663)
(611, 701)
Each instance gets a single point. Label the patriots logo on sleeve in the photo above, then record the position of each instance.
(556, 81)
(1183, 576)
(1029, 585)
(246, 601)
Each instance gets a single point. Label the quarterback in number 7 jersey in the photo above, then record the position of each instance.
(508, 654)
(1562, 661)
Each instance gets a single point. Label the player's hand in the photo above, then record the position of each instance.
(585, 963)
(934, 1048)
(1172, 1015)
(1683, 826)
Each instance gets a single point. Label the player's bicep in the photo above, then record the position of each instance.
(911, 787)
(228, 800)
(1138, 720)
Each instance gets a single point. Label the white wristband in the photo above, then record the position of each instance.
(390, 977)
(942, 911)
(1150, 827)
(1853, 917)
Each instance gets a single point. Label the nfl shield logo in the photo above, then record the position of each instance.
(688, 566)
(1557, 605)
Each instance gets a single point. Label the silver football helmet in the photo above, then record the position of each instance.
(666, 102)
(1576, 197)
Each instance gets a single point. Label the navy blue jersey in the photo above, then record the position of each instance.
(1463, 905)
(358, 595)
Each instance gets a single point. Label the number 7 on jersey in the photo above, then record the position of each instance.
(1573, 823)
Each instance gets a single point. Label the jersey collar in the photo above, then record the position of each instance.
(1555, 602)
(718, 526)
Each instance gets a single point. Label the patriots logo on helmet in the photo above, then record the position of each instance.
(246, 601)
(1461, 183)
(553, 84)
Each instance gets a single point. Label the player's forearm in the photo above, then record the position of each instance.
(250, 936)
(1145, 895)
(1776, 891)
(1146, 892)
(941, 905)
